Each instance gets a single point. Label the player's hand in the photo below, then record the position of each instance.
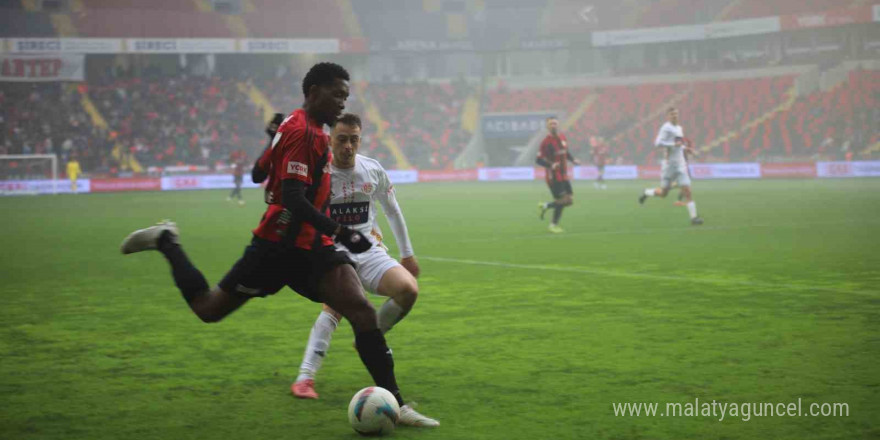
(575, 161)
(554, 166)
(272, 126)
(411, 265)
(353, 240)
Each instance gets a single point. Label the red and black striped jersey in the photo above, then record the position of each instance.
(300, 150)
(554, 150)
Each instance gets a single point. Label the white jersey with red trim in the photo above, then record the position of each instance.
(353, 194)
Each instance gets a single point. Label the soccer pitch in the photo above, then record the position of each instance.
(517, 334)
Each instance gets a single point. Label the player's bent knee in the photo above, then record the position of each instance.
(334, 313)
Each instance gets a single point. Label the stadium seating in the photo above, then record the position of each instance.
(46, 118)
(24, 24)
(180, 120)
(821, 123)
(285, 19)
(630, 115)
(150, 23)
(424, 119)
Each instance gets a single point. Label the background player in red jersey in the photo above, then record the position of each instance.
(600, 158)
(237, 159)
(293, 244)
(554, 156)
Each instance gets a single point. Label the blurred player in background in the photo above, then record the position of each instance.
(237, 159)
(73, 171)
(553, 155)
(687, 161)
(600, 158)
(294, 242)
(674, 166)
(357, 183)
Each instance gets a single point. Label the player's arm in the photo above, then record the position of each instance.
(542, 158)
(571, 158)
(388, 200)
(295, 183)
(260, 170)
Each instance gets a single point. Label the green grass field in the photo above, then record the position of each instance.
(518, 334)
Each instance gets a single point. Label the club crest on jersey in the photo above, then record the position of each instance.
(368, 188)
(297, 168)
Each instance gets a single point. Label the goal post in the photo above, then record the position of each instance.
(22, 174)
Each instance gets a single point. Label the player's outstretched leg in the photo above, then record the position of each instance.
(316, 349)
(210, 305)
(543, 207)
(691, 206)
(341, 290)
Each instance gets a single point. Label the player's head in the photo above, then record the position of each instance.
(552, 125)
(325, 88)
(672, 114)
(345, 139)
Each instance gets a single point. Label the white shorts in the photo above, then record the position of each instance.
(372, 265)
(672, 173)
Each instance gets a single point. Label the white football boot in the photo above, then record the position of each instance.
(146, 239)
(411, 417)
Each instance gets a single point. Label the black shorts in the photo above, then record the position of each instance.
(559, 188)
(238, 179)
(267, 266)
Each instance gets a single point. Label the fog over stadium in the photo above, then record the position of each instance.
(705, 174)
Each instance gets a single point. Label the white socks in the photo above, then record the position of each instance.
(389, 314)
(692, 209)
(649, 192)
(319, 342)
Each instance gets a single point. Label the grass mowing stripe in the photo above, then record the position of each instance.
(621, 274)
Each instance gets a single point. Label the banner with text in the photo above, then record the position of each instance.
(513, 125)
(49, 67)
(848, 169)
(65, 45)
(286, 45)
(837, 17)
(47, 186)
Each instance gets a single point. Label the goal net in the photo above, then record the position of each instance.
(24, 174)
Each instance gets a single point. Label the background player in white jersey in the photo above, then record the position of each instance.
(674, 167)
(356, 183)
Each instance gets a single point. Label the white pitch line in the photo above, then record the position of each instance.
(636, 275)
(694, 229)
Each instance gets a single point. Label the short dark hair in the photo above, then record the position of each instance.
(550, 118)
(349, 119)
(323, 74)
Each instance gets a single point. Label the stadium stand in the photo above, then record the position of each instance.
(20, 23)
(47, 118)
(179, 120)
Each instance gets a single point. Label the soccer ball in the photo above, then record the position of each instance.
(373, 411)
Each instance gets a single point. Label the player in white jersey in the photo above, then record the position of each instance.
(357, 183)
(674, 166)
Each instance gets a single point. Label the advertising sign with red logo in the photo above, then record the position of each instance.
(133, 184)
(503, 174)
(837, 17)
(447, 175)
(49, 67)
(649, 172)
(725, 171)
(848, 169)
(402, 176)
(786, 170)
